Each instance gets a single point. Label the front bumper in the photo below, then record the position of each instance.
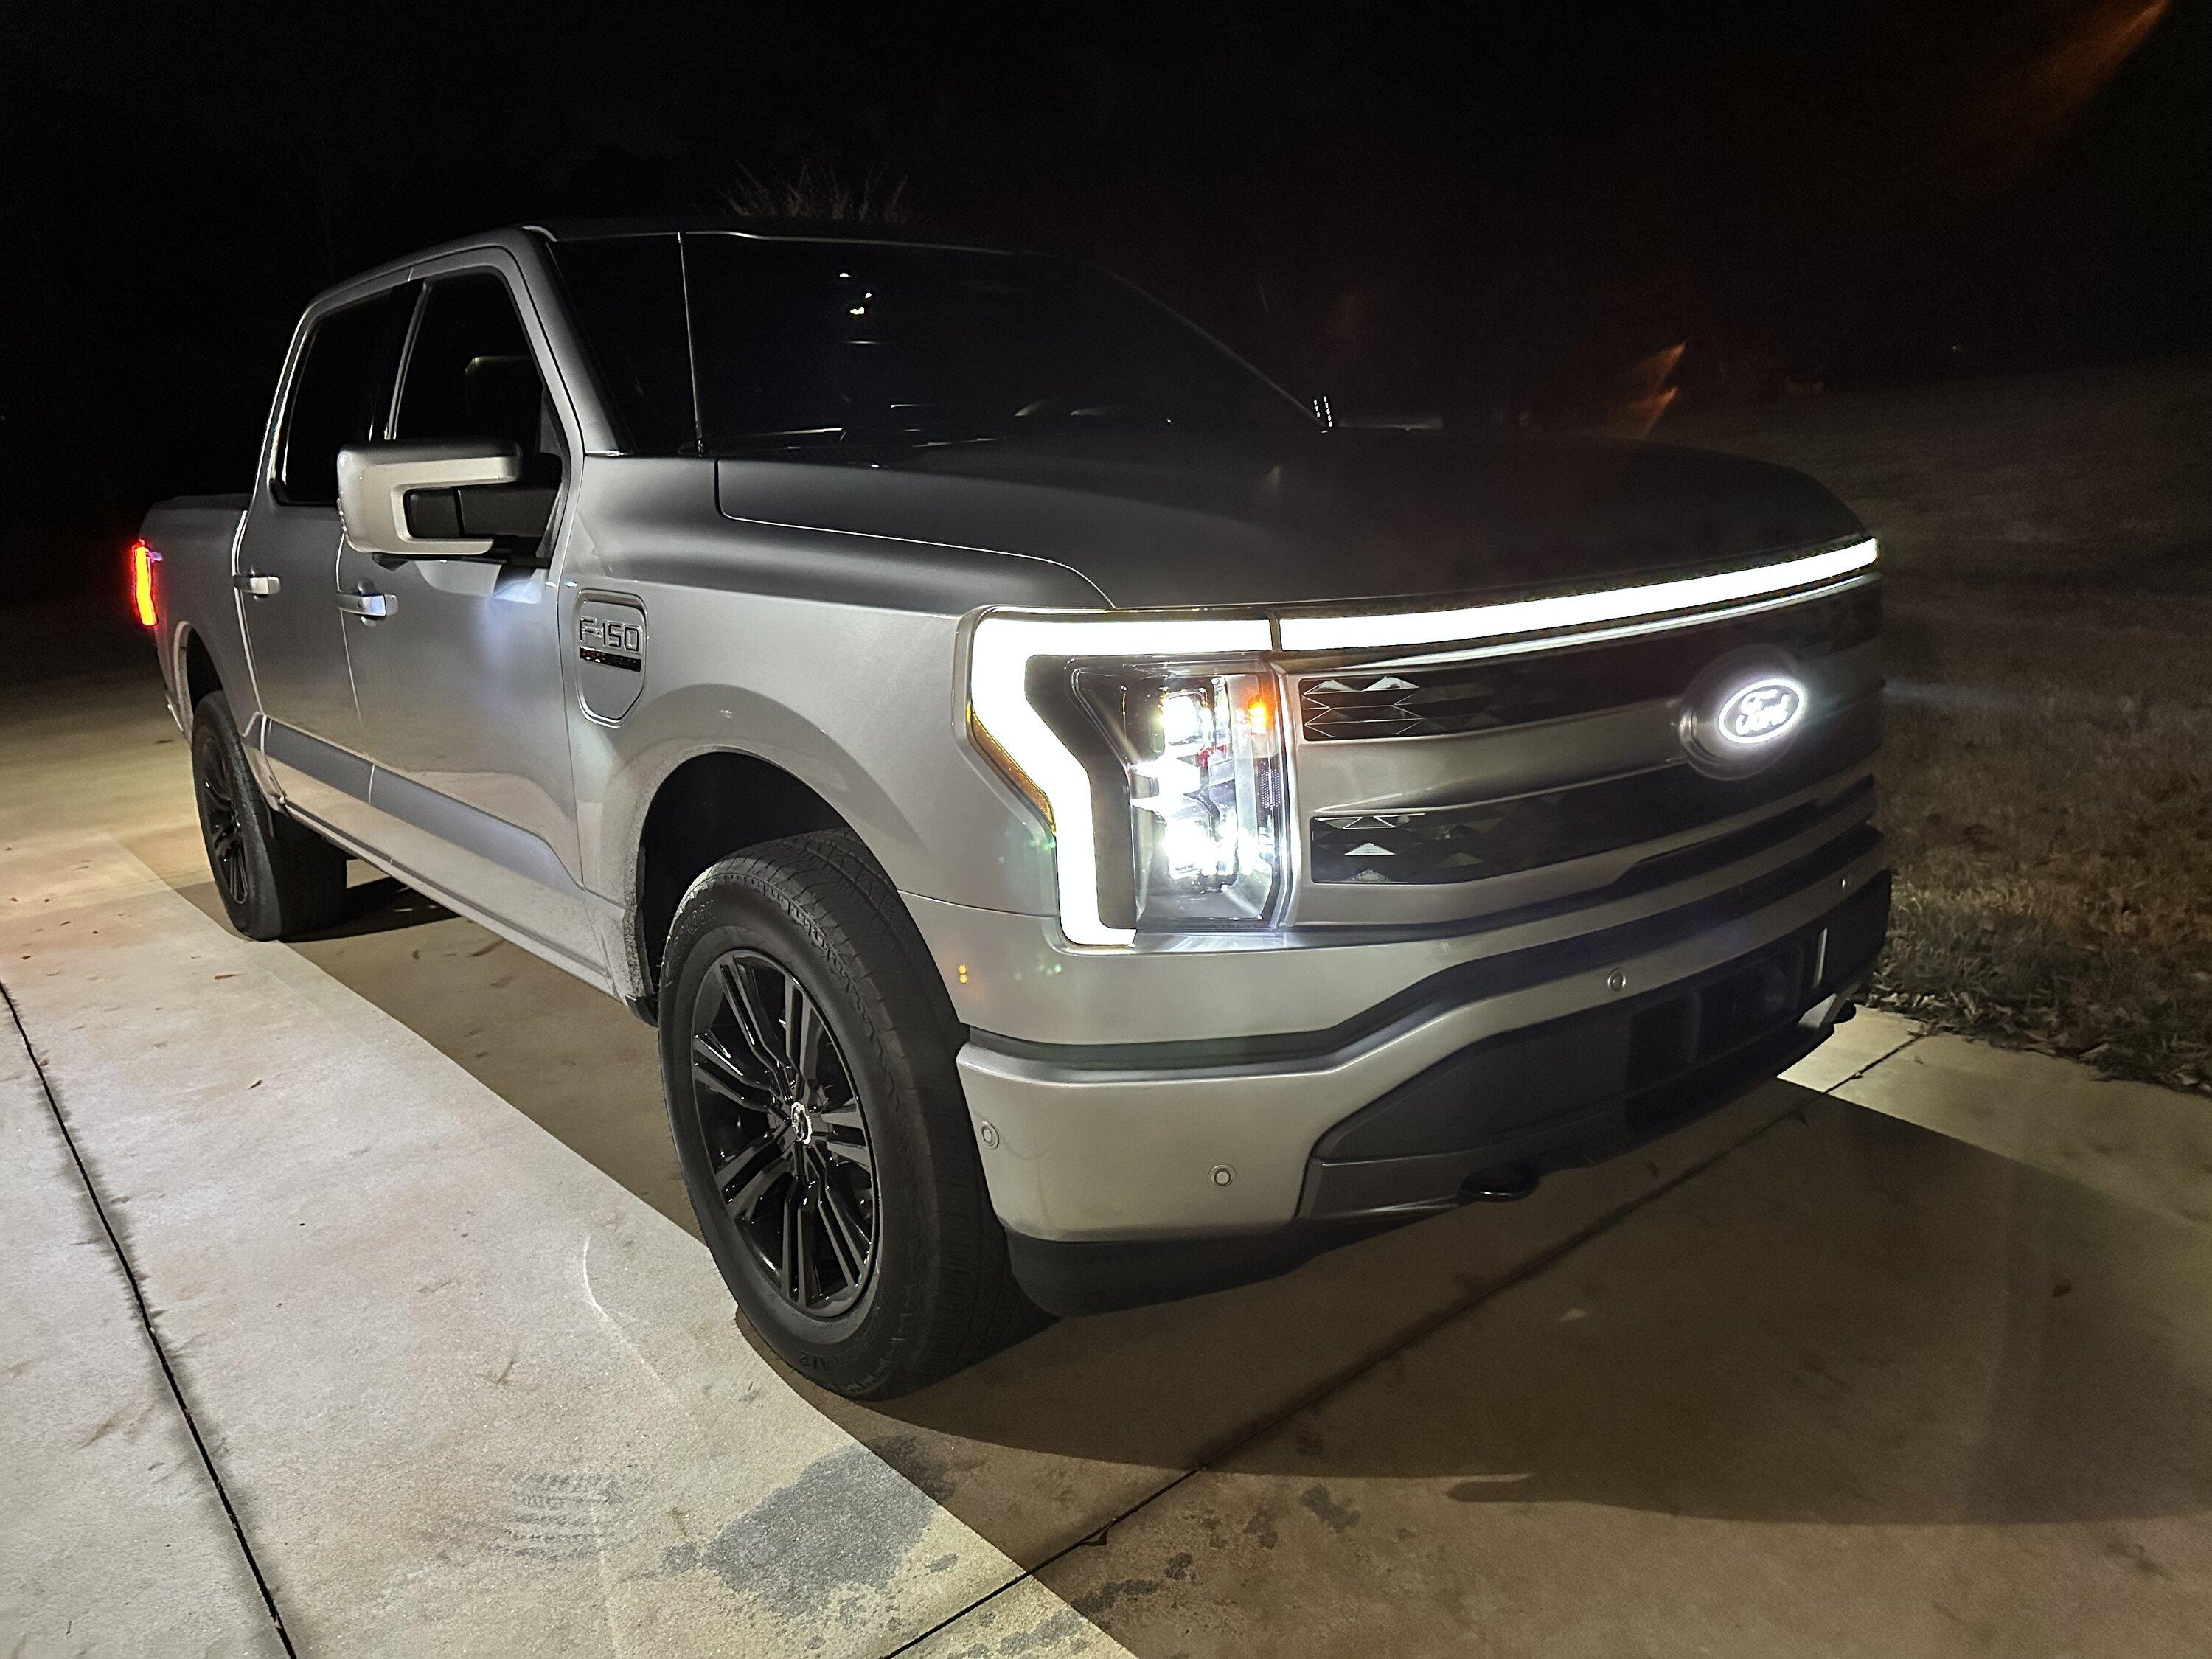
(1127, 1174)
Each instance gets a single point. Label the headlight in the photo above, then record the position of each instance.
(1201, 759)
(1158, 765)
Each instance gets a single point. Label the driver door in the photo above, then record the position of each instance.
(457, 661)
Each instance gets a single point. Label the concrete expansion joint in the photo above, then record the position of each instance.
(1879, 1059)
(146, 1319)
(1351, 1374)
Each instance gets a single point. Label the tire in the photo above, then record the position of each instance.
(277, 879)
(829, 1155)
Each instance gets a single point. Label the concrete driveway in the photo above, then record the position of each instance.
(350, 1305)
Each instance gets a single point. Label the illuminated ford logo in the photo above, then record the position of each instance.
(1741, 714)
(1762, 713)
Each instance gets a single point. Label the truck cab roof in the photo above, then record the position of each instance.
(781, 229)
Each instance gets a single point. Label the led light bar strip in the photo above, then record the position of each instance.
(999, 657)
(1488, 622)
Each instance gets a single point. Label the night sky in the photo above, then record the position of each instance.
(1489, 211)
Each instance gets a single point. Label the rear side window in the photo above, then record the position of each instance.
(626, 296)
(340, 393)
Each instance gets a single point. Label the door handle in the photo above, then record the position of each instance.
(368, 606)
(260, 586)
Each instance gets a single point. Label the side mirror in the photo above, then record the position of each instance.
(377, 480)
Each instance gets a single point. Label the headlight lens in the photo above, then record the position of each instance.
(1201, 757)
(1089, 714)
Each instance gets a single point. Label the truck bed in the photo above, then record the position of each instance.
(196, 537)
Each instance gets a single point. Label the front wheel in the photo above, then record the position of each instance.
(807, 1055)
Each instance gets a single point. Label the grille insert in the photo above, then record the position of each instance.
(1494, 693)
(1448, 844)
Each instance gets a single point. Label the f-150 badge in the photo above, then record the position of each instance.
(610, 641)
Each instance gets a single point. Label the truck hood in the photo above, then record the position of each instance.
(1291, 517)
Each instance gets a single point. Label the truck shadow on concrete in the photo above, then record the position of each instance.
(1848, 1319)
(1793, 1310)
(376, 904)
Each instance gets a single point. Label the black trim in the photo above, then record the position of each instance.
(1464, 982)
(1576, 1089)
(1446, 846)
(1094, 1276)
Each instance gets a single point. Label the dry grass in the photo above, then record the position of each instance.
(2048, 777)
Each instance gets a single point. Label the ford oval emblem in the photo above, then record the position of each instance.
(1741, 714)
(1761, 712)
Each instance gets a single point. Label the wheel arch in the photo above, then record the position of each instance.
(715, 803)
(195, 674)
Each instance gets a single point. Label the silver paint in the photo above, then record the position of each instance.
(810, 617)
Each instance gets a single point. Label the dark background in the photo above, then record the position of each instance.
(1501, 213)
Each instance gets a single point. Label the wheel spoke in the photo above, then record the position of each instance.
(804, 1028)
(746, 1200)
(794, 1250)
(849, 1238)
(852, 1152)
(743, 1163)
(720, 1070)
(741, 995)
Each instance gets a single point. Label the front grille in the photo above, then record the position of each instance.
(1498, 837)
(1487, 694)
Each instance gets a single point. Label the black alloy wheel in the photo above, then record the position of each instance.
(807, 1055)
(225, 836)
(786, 1135)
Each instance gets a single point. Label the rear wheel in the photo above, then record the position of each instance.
(277, 879)
(807, 1054)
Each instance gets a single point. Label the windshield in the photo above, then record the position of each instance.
(806, 344)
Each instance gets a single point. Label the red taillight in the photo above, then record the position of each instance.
(143, 560)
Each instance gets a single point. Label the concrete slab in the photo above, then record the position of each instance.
(470, 1396)
(1702, 1474)
(2132, 1141)
(112, 1538)
(1039, 1447)
(1856, 1389)
(1871, 1037)
(1025, 1620)
(1042, 1446)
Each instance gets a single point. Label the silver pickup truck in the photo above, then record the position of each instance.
(1086, 830)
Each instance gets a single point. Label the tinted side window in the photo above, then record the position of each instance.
(341, 392)
(469, 374)
(626, 296)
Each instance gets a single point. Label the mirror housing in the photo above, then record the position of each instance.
(375, 480)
